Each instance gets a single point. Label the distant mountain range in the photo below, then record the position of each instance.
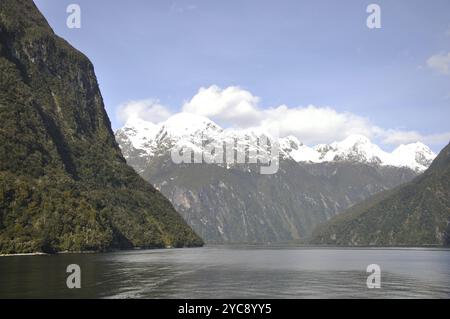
(64, 184)
(184, 129)
(359, 149)
(414, 214)
(234, 203)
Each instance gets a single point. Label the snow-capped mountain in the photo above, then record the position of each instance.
(236, 203)
(182, 128)
(186, 130)
(358, 148)
(189, 130)
(417, 156)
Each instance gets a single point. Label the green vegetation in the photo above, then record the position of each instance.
(64, 184)
(416, 214)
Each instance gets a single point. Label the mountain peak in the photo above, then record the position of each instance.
(188, 120)
(355, 148)
(417, 146)
(138, 124)
(188, 125)
(416, 155)
(355, 139)
(290, 142)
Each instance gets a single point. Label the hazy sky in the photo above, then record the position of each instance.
(317, 58)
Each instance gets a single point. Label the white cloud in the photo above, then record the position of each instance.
(231, 106)
(396, 137)
(148, 110)
(440, 63)
(313, 124)
(236, 107)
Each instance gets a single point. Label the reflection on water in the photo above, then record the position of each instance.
(231, 272)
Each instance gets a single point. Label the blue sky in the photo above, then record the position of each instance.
(293, 53)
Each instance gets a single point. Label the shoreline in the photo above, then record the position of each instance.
(66, 252)
(47, 254)
(234, 245)
(23, 254)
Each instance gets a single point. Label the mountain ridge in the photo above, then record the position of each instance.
(355, 148)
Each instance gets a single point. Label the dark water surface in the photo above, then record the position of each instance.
(231, 272)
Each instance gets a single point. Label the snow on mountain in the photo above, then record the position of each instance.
(186, 129)
(139, 134)
(355, 148)
(417, 156)
(358, 148)
(182, 129)
(188, 125)
(293, 148)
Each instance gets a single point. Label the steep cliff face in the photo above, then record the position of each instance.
(64, 184)
(416, 214)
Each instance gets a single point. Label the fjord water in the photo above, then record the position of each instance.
(231, 272)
